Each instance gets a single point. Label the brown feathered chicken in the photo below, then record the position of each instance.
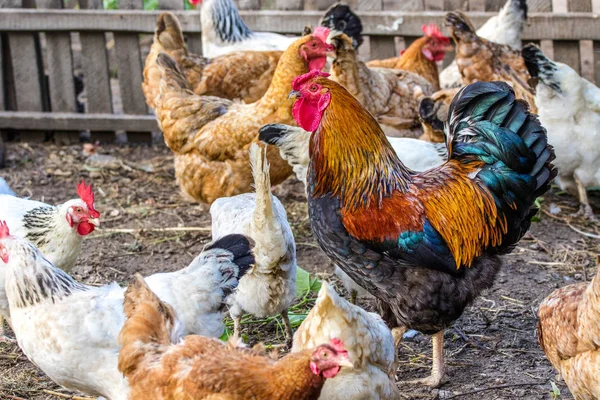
(244, 75)
(391, 96)
(479, 59)
(433, 113)
(421, 56)
(203, 368)
(569, 334)
(211, 136)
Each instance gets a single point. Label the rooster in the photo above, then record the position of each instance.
(369, 343)
(421, 56)
(569, 107)
(204, 368)
(270, 287)
(504, 28)
(569, 335)
(424, 244)
(69, 330)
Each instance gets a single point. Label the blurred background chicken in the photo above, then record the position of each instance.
(69, 330)
(339, 17)
(421, 56)
(433, 114)
(391, 96)
(389, 228)
(244, 75)
(569, 108)
(204, 368)
(479, 60)
(367, 339)
(569, 335)
(270, 287)
(504, 28)
(211, 136)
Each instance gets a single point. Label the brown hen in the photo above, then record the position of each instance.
(433, 113)
(569, 334)
(211, 136)
(203, 368)
(244, 75)
(421, 56)
(391, 96)
(479, 59)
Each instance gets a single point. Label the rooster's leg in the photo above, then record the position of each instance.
(288, 326)
(237, 327)
(584, 209)
(439, 366)
(398, 333)
(3, 338)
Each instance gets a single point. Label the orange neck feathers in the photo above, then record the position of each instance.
(351, 157)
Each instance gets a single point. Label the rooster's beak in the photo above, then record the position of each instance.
(345, 363)
(294, 94)
(94, 221)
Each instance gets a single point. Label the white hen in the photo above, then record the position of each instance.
(224, 31)
(69, 330)
(504, 28)
(270, 287)
(569, 109)
(293, 142)
(367, 338)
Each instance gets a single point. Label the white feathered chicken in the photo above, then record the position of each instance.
(69, 330)
(569, 109)
(367, 338)
(224, 31)
(57, 231)
(504, 28)
(293, 142)
(269, 287)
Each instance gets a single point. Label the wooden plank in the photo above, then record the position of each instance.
(129, 63)
(369, 5)
(434, 5)
(547, 47)
(586, 54)
(170, 4)
(560, 6)
(539, 6)
(406, 5)
(194, 43)
(288, 4)
(96, 73)
(77, 121)
(60, 73)
(27, 77)
(494, 5)
(248, 4)
(597, 62)
(383, 47)
(476, 5)
(567, 51)
(540, 26)
(580, 5)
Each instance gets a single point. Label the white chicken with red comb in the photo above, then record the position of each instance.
(57, 231)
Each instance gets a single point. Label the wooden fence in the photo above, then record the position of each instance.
(69, 67)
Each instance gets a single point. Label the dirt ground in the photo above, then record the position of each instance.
(492, 352)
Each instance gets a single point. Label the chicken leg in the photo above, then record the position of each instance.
(353, 296)
(288, 326)
(584, 209)
(3, 337)
(398, 334)
(438, 370)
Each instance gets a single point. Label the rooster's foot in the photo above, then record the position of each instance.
(586, 211)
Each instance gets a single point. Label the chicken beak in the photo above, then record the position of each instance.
(344, 362)
(294, 94)
(94, 221)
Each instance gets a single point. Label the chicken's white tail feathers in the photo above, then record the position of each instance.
(5, 189)
(266, 230)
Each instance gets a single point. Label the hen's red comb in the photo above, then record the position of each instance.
(4, 232)
(87, 195)
(322, 33)
(301, 79)
(338, 345)
(433, 31)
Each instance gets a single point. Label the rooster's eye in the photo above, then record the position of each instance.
(77, 209)
(314, 44)
(313, 88)
(325, 354)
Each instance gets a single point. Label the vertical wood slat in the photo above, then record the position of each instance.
(60, 73)
(26, 92)
(96, 72)
(170, 4)
(129, 63)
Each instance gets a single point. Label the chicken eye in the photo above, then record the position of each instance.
(78, 209)
(313, 88)
(325, 354)
(313, 44)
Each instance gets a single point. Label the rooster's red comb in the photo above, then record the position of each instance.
(300, 80)
(322, 33)
(87, 195)
(432, 30)
(4, 232)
